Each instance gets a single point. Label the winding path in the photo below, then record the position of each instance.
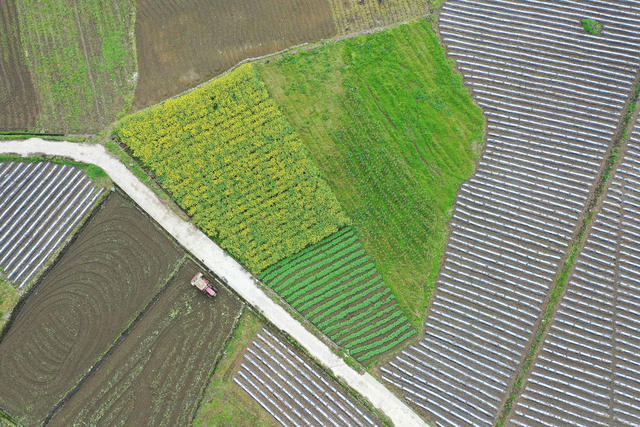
(196, 242)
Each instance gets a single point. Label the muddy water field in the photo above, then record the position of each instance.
(113, 332)
(155, 376)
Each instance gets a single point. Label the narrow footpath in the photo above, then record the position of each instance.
(203, 248)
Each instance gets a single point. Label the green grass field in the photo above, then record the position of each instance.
(9, 297)
(81, 58)
(228, 157)
(335, 285)
(395, 133)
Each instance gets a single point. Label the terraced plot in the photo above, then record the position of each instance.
(588, 370)
(40, 204)
(553, 96)
(335, 285)
(156, 374)
(293, 390)
(114, 267)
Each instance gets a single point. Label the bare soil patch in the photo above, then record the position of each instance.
(181, 43)
(156, 374)
(118, 262)
(18, 102)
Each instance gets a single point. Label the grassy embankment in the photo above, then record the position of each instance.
(393, 130)
(9, 297)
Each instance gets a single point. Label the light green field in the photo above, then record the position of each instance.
(395, 133)
(81, 58)
(227, 155)
(9, 297)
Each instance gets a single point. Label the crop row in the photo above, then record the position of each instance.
(229, 158)
(384, 348)
(306, 274)
(341, 267)
(336, 251)
(336, 286)
(286, 266)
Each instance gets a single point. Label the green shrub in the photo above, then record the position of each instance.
(592, 26)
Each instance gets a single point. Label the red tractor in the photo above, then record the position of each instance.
(203, 285)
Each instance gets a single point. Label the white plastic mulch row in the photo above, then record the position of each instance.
(553, 96)
(40, 204)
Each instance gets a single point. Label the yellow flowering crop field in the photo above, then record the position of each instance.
(230, 159)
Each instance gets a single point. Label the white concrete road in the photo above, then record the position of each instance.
(198, 244)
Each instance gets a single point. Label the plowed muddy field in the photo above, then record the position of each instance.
(18, 102)
(182, 43)
(156, 374)
(119, 261)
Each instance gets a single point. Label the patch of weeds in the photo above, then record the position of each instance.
(592, 26)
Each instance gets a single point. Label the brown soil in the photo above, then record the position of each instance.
(224, 403)
(18, 102)
(117, 264)
(156, 374)
(182, 43)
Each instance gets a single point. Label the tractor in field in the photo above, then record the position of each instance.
(203, 285)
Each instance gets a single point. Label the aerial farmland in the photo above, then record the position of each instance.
(320, 212)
